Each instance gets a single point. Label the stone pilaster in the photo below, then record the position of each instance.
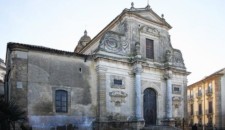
(138, 98)
(185, 105)
(101, 98)
(169, 112)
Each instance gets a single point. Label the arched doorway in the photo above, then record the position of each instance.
(150, 109)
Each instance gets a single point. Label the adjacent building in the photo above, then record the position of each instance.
(2, 76)
(206, 101)
(128, 76)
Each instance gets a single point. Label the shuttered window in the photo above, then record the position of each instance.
(149, 49)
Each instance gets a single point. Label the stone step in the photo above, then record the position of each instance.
(155, 127)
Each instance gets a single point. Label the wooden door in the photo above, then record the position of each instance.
(150, 109)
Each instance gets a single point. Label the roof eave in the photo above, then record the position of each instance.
(25, 47)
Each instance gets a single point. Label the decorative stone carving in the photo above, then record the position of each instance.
(118, 97)
(164, 39)
(114, 85)
(115, 43)
(177, 58)
(150, 30)
(122, 28)
(168, 74)
(177, 101)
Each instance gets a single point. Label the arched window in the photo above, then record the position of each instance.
(61, 101)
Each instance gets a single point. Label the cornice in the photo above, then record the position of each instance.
(142, 61)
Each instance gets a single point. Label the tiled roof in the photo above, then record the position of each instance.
(13, 45)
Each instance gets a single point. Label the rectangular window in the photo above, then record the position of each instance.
(149, 49)
(61, 101)
(192, 109)
(176, 89)
(210, 107)
(199, 109)
(117, 82)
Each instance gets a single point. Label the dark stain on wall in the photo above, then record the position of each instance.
(18, 81)
(66, 72)
(43, 108)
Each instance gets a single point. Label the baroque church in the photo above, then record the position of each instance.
(128, 76)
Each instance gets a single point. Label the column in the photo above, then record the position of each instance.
(138, 98)
(168, 76)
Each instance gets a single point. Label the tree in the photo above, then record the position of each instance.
(10, 113)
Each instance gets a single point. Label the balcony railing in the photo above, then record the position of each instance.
(199, 94)
(190, 114)
(198, 113)
(209, 92)
(190, 97)
(207, 112)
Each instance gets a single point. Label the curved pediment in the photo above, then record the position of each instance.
(114, 42)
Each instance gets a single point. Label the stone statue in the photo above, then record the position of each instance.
(168, 56)
(137, 48)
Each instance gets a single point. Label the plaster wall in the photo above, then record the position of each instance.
(37, 75)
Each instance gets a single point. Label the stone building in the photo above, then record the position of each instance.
(2, 76)
(206, 101)
(127, 76)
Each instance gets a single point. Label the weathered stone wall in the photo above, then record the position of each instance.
(122, 107)
(18, 78)
(118, 99)
(37, 75)
(119, 44)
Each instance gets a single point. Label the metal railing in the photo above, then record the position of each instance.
(209, 92)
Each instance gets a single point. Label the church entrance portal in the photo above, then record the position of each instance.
(150, 112)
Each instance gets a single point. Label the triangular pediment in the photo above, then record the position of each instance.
(148, 14)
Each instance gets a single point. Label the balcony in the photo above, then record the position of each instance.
(209, 112)
(190, 115)
(199, 94)
(191, 98)
(209, 92)
(198, 113)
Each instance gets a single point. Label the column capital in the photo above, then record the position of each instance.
(101, 68)
(168, 74)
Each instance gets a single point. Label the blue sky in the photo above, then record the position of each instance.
(198, 26)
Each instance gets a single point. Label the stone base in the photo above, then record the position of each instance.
(119, 125)
(155, 127)
(168, 122)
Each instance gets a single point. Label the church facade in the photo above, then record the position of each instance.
(127, 76)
